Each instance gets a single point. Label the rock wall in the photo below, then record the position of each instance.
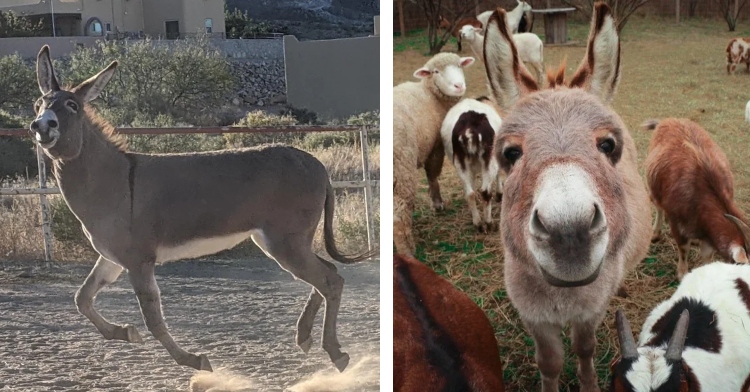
(259, 83)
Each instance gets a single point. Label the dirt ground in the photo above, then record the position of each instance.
(241, 313)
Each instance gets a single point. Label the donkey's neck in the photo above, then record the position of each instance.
(97, 181)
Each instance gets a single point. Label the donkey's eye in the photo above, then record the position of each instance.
(606, 146)
(436, 72)
(512, 154)
(72, 105)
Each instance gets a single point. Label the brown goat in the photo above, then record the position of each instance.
(738, 51)
(455, 29)
(691, 183)
(442, 341)
(575, 216)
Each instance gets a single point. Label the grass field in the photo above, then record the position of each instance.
(667, 71)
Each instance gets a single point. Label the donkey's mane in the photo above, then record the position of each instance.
(104, 128)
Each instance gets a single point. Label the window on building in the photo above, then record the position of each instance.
(108, 26)
(209, 26)
(94, 27)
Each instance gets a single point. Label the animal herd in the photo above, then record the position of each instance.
(575, 219)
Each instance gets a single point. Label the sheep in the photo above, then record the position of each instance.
(697, 340)
(468, 133)
(456, 29)
(442, 341)
(575, 216)
(691, 183)
(530, 48)
(514, 17)
(747, 111)
(418, 112)
(738, 51)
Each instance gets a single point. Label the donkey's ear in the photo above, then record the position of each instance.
(93, 86)
(45, 76)
(599, 71)
(507, 76)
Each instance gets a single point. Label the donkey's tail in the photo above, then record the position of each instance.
(650, 125)
(328, 233)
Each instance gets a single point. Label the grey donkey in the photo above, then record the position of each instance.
(575, 217)
(138, 210)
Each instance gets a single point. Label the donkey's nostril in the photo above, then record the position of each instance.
(34, 126)
(537, 224)
(597, 222)
(52, 124)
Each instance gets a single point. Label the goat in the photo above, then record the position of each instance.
(514, 17)
(575, 216)
(442, 341)
(468, 133)
(456, 28)
(691, 184)
(530, 48)
(697, 340)
(738, 51)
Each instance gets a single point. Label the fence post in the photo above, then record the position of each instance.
(368, 187)
(46, 227)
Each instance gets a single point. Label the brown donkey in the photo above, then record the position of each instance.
(575, 215)
(138, 210)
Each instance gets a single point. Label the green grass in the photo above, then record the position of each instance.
(668, 70)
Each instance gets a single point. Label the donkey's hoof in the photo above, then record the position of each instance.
(305, 346)
(481, 228)
(203, 364)
(342, 362)
(132, 334)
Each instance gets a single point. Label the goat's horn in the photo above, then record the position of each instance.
(742, 226)
(628, 349)
(677, 342)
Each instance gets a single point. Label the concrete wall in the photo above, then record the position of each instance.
(251, 49)
(154, 15)
(334, 78)
(197, 11)
(28, 47)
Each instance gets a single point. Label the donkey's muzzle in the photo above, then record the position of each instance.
(45, 128)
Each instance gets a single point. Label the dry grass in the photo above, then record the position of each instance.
(667, 71)
(21, 228)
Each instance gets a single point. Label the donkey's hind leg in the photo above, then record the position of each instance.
(103, 273)
(306, 319)
(144, 283)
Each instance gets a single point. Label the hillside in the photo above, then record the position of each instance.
(314, 19)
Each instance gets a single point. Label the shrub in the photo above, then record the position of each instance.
(184, 79)
(18, 87)
(12, 25)
(65, 226)
(239, 25)
(260, 118)
(170, 143)
(18, 158)
(329, 139)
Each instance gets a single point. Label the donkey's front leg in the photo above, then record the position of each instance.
(549, 353)
(584, 344)
(144, 283)
(103, 273)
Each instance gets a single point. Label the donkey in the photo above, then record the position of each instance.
(138, 210)
(575, 214)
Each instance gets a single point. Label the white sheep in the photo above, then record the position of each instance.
(418, 112)
(747, 112)
(514, 16)
(468, 134)
(698, 339)
(530, 47)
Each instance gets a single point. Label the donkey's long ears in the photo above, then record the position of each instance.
(599, 71)
(507, 76)
(45, 76)
(89, 89)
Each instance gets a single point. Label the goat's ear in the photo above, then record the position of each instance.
(599, 71)
(422, 73)
(507, 76)
(93, 86)
(466, 61)
(45, 75)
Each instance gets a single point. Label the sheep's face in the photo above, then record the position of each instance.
(469, 32)
(448, 78)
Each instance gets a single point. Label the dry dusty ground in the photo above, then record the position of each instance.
(241, 313)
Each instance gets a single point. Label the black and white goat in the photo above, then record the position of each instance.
(468, 134)
(697, 340)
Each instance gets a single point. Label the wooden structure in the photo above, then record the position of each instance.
(555, 24)
(367, 184)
